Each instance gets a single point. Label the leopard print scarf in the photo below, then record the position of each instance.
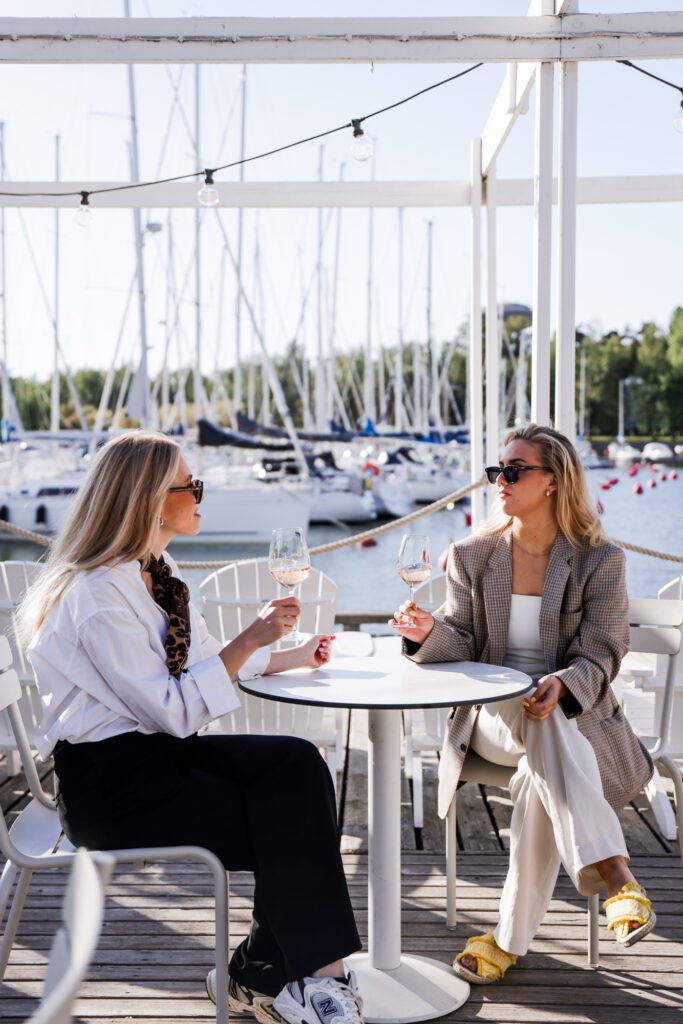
(173, 596)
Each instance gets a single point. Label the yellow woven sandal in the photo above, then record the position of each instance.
(629, 906)
(492, 961)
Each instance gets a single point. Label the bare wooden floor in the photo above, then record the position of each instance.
(157, 942)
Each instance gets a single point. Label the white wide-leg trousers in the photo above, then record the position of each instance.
(560, 815)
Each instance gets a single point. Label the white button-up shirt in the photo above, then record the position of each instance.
(100, 664)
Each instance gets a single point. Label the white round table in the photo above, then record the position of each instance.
(395, 988)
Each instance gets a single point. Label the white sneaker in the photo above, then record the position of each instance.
(320, 1001)
(242, 1000)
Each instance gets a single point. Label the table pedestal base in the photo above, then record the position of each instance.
(418, 989)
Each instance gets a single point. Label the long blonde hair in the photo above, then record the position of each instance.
(114, 518)
(576, 516)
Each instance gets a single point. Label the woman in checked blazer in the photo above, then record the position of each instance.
(541, 589)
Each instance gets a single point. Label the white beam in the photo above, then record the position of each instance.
(543, 198)
(340, 40)
(653, 188)
(474, 379)
(492, 335)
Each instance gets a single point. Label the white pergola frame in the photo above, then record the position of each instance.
(553, 32)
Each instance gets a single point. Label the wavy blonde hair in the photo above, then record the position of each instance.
(114, 518)
(576, 516)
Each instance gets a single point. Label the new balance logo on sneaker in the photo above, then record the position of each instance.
(320, 1001)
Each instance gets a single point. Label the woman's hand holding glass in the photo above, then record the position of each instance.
(275, 620)
(412, 622)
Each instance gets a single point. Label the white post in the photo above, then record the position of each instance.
(476, 411)
(582, 393)
(398, 363)
(54, 390)
(432, 346)
(565, 353)
(493, 354)
(543, 210)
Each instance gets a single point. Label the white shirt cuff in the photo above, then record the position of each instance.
(256, 664)
(215, 686)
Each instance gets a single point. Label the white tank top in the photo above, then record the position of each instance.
(524, 650)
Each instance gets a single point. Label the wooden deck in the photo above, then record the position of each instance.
(157, 941)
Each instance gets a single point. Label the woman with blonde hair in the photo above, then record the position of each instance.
(541, 589)
(128, 675)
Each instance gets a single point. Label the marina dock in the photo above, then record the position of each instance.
(157, 942)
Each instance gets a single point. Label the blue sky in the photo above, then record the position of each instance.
(629, 266)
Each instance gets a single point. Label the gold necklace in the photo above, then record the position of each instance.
(533, 554)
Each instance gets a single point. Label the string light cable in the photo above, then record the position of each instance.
(678, 120)
(208, 194)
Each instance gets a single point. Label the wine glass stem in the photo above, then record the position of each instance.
(412, 594)
(294, 635)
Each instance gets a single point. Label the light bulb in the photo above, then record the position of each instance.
(84, 212)
(208, 193)
(678, 120)
(361, 147)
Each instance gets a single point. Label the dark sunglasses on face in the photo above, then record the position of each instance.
(510, 473)
(196, 486)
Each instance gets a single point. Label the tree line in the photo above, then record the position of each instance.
(649, 360)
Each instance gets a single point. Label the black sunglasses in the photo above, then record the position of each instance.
(196, 486)
(510, 473)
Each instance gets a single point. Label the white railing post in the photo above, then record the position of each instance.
(542, 248)
(492, 332)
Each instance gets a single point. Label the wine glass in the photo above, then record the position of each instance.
(414, 560)
(289, 563)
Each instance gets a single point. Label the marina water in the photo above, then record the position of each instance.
(367, 578)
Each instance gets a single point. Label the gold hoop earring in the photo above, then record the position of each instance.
(161, 520)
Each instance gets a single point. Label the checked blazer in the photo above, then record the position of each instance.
(584, 632)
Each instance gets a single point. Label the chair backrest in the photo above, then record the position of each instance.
(15, 579)
(231, 599)
(76, 941)
(233, 595)
(10, 696)
(432, 594)
(672, 591)
(657, 628)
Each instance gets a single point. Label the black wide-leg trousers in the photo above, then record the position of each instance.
(260, 803)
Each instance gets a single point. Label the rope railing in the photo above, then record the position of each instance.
(355, 538)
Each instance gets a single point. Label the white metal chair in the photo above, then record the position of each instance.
(231, 599)
(423, 729)
(36, 842)
(655, 628)
(15, 579)
(75, 942)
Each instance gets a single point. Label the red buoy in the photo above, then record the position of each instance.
(605, 487)
(673, 475)
(633, 470)
(369, 542)
(651, 483)
(663, 477)
(638, 489)
(613, 480)
(468, 518)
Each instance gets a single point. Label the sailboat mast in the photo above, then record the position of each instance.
(368, 368)
(431, 342)
(320, 389)
(6, 391)
(398, 364)
(54, 391)
(237, 376)
(137, 225)
(197, 374)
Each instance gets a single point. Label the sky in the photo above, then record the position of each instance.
(629, 265)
